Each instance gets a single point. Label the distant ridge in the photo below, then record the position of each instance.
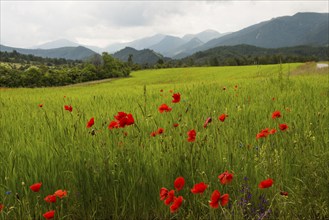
(70, 53)
(141, 57)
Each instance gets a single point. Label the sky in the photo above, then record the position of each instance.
(101, 23)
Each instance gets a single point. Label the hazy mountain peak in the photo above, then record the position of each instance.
(57, 44)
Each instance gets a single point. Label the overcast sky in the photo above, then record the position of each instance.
(100, 23)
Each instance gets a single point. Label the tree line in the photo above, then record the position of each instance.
(18, 70)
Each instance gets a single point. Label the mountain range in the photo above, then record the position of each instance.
(305, 28)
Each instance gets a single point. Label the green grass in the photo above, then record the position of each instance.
(118, 175)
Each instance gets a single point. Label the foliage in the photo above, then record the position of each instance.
(57, 72)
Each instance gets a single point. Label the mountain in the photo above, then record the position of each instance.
(71, 53)
(65, 43)
(142, 57)
(299, 29)
(139, 44)
(247, 54)
(191, 44)
(204, 36)
(167, 46)
(56, 44)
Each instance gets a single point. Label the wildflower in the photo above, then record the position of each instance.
(284, 193)
(164, 108)
(49, 215)
(170, 198)
(263, 133)
(179, 183)
(124, 119)
(224, 199)
(265, 183)
(276, 114)
(50, 198)
(199, 188)
(235, 87)
(176, 98)
(91, 122)
(113, 124)
(177, 203)
(153, 133)
(207, 122)
(1, 207)
(160, 130)
(36, 187)
(163, 193)
(161, 90)
(171, 91)
(191, 135)
(60, 193)
(216, 198)
(272, 131)
(224, 88)
(175, 125)
(222, 117)
(283, 127)
(40, 105)
(68, 108)
(225, 177)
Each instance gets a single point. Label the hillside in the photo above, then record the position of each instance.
(247, 54)
(71, 53)
(142, 57)
(287, 31)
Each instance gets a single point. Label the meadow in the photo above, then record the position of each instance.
(118, 173)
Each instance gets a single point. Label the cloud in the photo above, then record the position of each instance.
(28, 23)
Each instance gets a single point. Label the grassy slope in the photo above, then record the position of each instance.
(118, 176)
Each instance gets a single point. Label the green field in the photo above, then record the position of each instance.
(118, 173)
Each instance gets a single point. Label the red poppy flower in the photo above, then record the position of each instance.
(60, 193)
(91, 122)
(263, 133)
(40, 105)
(164, 108)
(191, 135)
(113, 124)
(199, 188)
(225, 177)
(50, 198)
(68, 108)
(266, 183)
(284, 193)
(163, 193)
(124, 119)
(176, 125)
(50, 214)
(207, 122)
(153, 133)
(1, 207)
(224, 199)
(273, 99)
(216, 198)
(36, 187)
(171, 91)
(177, 203)
(170, 198)
(276, 114)
(176, 98)
(235, 87)
(161, 90)
(179, 183)
(283, 127)
(222, 117)
(160, 130)
(272, 131)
